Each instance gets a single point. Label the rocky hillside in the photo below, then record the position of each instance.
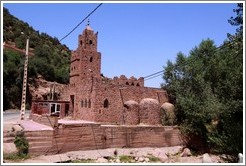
(49, 62)
(45, 90)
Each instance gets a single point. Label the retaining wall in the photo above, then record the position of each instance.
(73, 137)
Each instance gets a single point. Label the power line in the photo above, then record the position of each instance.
(81, 21)
(154, 75)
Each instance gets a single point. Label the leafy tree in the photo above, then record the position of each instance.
(230, 91)
(51, 59)
(11, 88)
(207, 89)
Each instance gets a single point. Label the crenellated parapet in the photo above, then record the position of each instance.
(132, 81)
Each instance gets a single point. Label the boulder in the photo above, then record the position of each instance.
(240, 158)
(9, 148)
(141, 159)
(186, 152)
(206, 158)
(160, 154)
(102, 160)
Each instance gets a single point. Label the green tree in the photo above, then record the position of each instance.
(51, 59)
(196, 105)
(11, 73)
(230, 91)
(207, 89)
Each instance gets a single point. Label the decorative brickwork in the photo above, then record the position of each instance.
(97, 98)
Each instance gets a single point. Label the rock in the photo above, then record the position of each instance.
(17, 128)
(206, 158)
(160, 154)
(133, 152)
(9, 148)
(41, 88)
(146, 159)
(186, 152)
(240, 158)
(117, 160)
(102, 160)
(163, 158)
(141, 159)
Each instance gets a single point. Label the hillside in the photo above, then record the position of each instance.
(50, 60)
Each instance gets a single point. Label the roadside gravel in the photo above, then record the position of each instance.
(132, 155)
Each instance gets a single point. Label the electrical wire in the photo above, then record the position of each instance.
(154, 75)
(81, 22)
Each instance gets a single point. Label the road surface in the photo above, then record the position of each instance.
(9, 116)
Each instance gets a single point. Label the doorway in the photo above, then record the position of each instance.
(72, 102)
(55, 108)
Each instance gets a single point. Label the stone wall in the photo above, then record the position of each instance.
(74, 137)
(104, 101)
(149, 111)
(45, 119)
(131, 113)
(98, 98)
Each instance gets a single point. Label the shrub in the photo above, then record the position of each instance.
(21, 143)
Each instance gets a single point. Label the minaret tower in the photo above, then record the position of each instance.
(85, 61)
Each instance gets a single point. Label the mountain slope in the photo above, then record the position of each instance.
(50, 59)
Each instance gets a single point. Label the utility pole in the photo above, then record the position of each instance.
(53, 91)
(23, 99)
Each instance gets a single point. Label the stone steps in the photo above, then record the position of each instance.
(39, 138)
(40, 133)
(39, 150)
(8, 134)
(40, 142)
(8, 139)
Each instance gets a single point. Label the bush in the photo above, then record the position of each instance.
(126, 159)
(21, 143)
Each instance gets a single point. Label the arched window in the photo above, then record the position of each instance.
(127, 83)
(91, 59)
(132, 84)
(85, 102)
(82, 103)
(89, 103)
(138, 84)
(106, 103)
(81, 42)
(90, 42)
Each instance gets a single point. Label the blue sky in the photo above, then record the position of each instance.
(135, 39)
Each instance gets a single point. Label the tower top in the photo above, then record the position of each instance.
(88, 26)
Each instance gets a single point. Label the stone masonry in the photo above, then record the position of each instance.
(95, 97)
